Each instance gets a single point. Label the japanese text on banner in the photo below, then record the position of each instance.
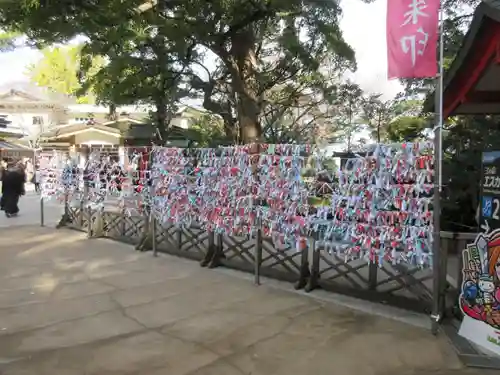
(412, 38)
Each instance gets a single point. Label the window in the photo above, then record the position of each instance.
(80, 120)
(37, 120)
(4, 121)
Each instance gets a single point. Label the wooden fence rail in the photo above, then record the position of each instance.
(399, 285)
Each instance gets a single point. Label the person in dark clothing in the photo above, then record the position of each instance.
(13, 180)
(37, 178)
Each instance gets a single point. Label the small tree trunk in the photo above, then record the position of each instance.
(248, 114)
(112, 115)
(161, 116)
(378, 128)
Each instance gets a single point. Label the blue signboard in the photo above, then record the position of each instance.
(489, 213)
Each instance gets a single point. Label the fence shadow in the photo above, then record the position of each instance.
(397, 285)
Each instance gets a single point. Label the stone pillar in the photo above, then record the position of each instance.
(83, 157)
(121, 155)
(73, 154)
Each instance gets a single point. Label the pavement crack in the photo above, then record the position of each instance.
(124, 313)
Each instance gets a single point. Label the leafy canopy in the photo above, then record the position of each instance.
(58, 70)
(258, 45)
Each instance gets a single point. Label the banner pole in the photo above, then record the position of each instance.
(438, 185)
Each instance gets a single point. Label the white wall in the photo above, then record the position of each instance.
(181, 122)
(23, 122)
(91, 108)
(96, 138)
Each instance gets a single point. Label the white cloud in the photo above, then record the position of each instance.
(364, 29)
(13, 64)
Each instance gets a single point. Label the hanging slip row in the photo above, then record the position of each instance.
(378, 206)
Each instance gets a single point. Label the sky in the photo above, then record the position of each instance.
(363, 26)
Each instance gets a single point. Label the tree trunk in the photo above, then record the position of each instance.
(161, 119)
(241, 64)
(112, 115)
(248, 115)
(378, 128)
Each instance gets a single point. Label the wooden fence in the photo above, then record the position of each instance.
(398, 285)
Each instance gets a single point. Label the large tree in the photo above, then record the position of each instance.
(349, 116)
(256, 44)
(387, 119)
(406, 129)
(303, 110)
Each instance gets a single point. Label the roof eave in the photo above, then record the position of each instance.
(483, 10)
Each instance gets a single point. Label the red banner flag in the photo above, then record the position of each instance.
(412, 38)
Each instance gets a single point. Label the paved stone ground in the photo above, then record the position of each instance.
(73, 306)
(29, 211)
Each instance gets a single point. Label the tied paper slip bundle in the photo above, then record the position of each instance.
(59, 179)
(100, 181)
(381, 210)
(119, 184)
(378, 207)
(232, 190)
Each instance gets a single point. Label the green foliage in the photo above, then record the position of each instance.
(465, 140)
(7, 40)
(152, 54)
(58, 70)
(243, 35)
(348, 116)
(208, 131)
(378, 114)
(406, 129)
(300, 111)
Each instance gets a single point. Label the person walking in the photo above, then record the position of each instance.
(36, 179)
(13, 180)
(3, 167)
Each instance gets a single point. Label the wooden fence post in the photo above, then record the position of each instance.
(218, 251)
(178, 236)
(315, 262)
(258, 256)
(372, 275)
(145, 242)
(98, 226)
(89, 222)
(210, 250)
(65, 219)
(305, 272)
(122, 222)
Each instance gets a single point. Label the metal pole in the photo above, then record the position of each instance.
(438, 183)
(36, 162)
(153, 234)
(42, 214)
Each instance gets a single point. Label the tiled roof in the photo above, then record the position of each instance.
(61, 131)
(35, 91)
(4, 145)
